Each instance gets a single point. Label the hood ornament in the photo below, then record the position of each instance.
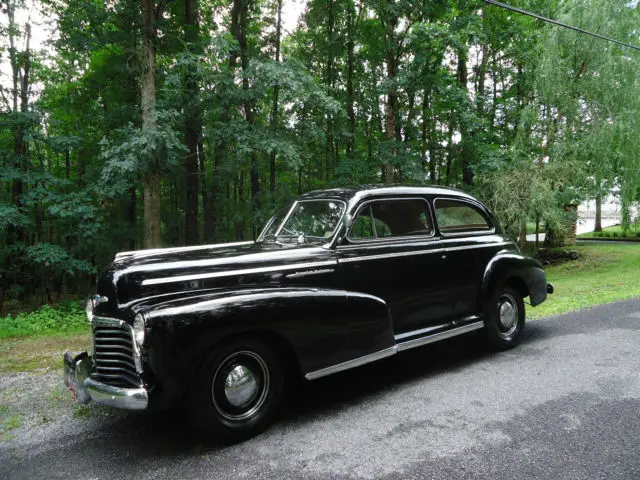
(99, 300)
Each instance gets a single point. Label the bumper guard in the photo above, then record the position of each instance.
(77, 373)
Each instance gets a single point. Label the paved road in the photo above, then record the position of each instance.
(564, 405)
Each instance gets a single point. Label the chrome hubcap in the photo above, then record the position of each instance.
(240, 385)
(507, 314)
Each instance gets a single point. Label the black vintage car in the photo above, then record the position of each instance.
(337, 279)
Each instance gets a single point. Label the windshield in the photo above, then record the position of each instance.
(306, 219)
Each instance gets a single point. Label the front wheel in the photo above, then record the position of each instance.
(237, 391)
(504, 318)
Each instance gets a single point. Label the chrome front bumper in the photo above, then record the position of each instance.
(77, 373)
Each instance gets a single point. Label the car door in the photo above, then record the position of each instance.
(391, 251)
(469, 237)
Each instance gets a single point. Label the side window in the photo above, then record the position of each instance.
(392, 218)
(454, 216)
(362, 228)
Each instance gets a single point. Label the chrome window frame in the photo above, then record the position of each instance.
(403, 238)
(477, 206)
(329, 239)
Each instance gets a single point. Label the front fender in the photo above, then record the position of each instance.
(509, 264)
(322, 327)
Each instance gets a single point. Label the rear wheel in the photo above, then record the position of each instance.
(504, 318)
(237, 391)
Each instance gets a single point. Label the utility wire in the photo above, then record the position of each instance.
(560, 24)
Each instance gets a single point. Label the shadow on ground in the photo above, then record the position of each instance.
(167, 434)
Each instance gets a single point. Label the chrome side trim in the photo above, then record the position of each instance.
(467, 247)
(414, 333)
(230, 273)
(421, 252)
(389, 255)
(310, 272)
(440, 336)
(423, 331)
(388, 352)
(356, 362)
(208, 305)
(151, 251)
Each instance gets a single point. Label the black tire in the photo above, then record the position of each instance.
(504, 330)
(232, 413)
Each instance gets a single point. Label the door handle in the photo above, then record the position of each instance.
(444, 256)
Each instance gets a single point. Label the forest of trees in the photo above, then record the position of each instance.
(175, 122)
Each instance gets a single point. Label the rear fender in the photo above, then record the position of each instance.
(506, 265)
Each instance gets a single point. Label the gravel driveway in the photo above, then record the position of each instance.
(565, 404)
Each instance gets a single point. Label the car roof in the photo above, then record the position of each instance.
(351, 194)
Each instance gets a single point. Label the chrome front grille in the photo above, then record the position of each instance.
(114, 355)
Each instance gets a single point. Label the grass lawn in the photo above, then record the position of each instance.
(37, 340)
(39, 353)
(604, 273)
(617, 229)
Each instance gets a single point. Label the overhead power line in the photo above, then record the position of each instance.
(560, 24)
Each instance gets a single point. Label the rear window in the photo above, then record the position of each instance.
(454, 216)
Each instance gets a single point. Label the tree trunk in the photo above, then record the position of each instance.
(241, 38)
(20, 74)
(523, 235)
(330, 84)
(207, 204)
(152, 231)
(152, 219)
(131, 216)
(390, 117)
(408, 126)
(274, 110)
(467, 141)
(598, 225)
(391, 114)
(220, 154)
(192, 114)
(351, 113)
(481, 77)
(450, 151)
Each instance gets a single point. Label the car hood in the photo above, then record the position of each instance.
(137, 276)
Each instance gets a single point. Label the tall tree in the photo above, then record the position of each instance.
(276, 96)
(152, 179)
(192, 121)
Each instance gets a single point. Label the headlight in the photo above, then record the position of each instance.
(89, 310)
(139, 328)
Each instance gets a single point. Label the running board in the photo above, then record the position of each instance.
(436, 337)
(388, 352)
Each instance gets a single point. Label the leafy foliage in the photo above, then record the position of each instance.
(64, 318)
(248, 114)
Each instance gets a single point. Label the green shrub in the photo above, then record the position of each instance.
(68, 317)
(606, 234)
(614, 234)
(598, 234)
